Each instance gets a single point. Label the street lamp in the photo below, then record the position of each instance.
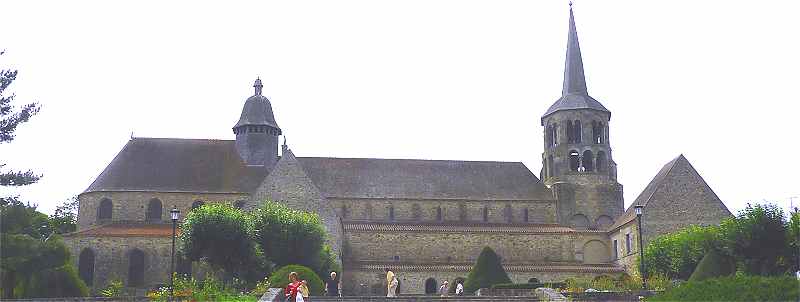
(173, 214)
(639, 209)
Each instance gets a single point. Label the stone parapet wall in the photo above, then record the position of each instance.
(132, 206)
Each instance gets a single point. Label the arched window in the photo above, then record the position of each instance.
(430, 286)
(86, 266)
(588, 161)
(153, 213)
(508, 214)
(601, 161)
(368, 212)
(597, 132)
(570, 132)
(595, 252)
(105, 209)
(555, 135)
(439, 214)
(526, 215)
(391, 213)
(197, 203)
(574, 160)
(603, 221)
(345, 211)
(462, 212)
(548, 136)
(550, 170)
(416, 212)
(579, 221)
(485, 214)
(578, 132)
(136, 267)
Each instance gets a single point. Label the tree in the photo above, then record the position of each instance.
(9, 121)
(713, 265)
(65, 218)
(756, 238)
(221, 235)
(289, 236)
(676, 254)
(488, 271)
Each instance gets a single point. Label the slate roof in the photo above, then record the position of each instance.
(574, 94)
(257, 110)
(178, 165)
(423, 179)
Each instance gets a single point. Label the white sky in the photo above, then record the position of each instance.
(462, 80)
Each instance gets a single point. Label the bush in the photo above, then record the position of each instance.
(288, 236)
(713, 265)
(735, 288)
(57, 282)
(280, 278)
(518, 286)
(757, 239)
(210, 289)
(487, 271)
(221, 235)
(677, 254)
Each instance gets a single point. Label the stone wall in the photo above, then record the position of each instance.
(626, 259)
(543, 211)
(131, 206)
(111, 255)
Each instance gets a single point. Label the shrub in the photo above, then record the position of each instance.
(756, 238)
(734, 288)
(113, 290)
(677, 254)
(280, 278)
(517, 286)
(221, 235)
(57, 282)
(713, 265)
(288, 236)
(487, 271)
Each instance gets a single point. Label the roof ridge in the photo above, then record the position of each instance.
(411, 159)
(179, 138)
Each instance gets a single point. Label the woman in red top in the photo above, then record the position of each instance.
(292, 289)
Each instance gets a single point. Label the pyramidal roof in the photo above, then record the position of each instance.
(574, 94)
(257, 110)
(676, 172)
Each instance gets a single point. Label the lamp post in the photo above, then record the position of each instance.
(639, 209)
(174, 213)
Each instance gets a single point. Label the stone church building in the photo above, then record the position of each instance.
(425, 219)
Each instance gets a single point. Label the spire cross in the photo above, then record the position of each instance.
(258, 86)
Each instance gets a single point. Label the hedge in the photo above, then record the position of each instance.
(529, 285)
(487, 271)
(741, 288)
(280, 278)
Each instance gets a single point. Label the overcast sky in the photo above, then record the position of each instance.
(460, 80)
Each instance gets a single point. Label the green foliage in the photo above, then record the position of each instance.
(517, 286)
(677, 254)
(221, 235)
(280, 278)
(793, 239)
(756, 238)
(57, 282)
(65, 218)
(210, 289)
(488, 271)
(17, 217)
(114, 289)
(713, 265)
(735, 288)
(10, 119)
(291, 237)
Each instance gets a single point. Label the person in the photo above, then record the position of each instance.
(444, 288)
(460, 287)
(293, 288)
(303, 291)
(333, 288)
(391, 283)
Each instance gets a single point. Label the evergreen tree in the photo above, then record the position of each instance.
(488, 271)
(9, 120)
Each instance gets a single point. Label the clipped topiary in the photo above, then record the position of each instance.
(713, 265)
(487, 271)
(280, 278)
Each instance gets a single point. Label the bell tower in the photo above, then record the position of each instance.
(577, 161)
(257, 132)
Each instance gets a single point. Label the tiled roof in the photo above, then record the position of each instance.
(462, 228)
(583, 268)
(123, 229)
(423, 179)
(178, 165)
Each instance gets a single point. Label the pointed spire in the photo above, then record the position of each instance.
(574, 80)
(258, 86)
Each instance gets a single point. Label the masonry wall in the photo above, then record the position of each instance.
(132, 206)
(112, 258)
(378, 210)
(624, 257)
